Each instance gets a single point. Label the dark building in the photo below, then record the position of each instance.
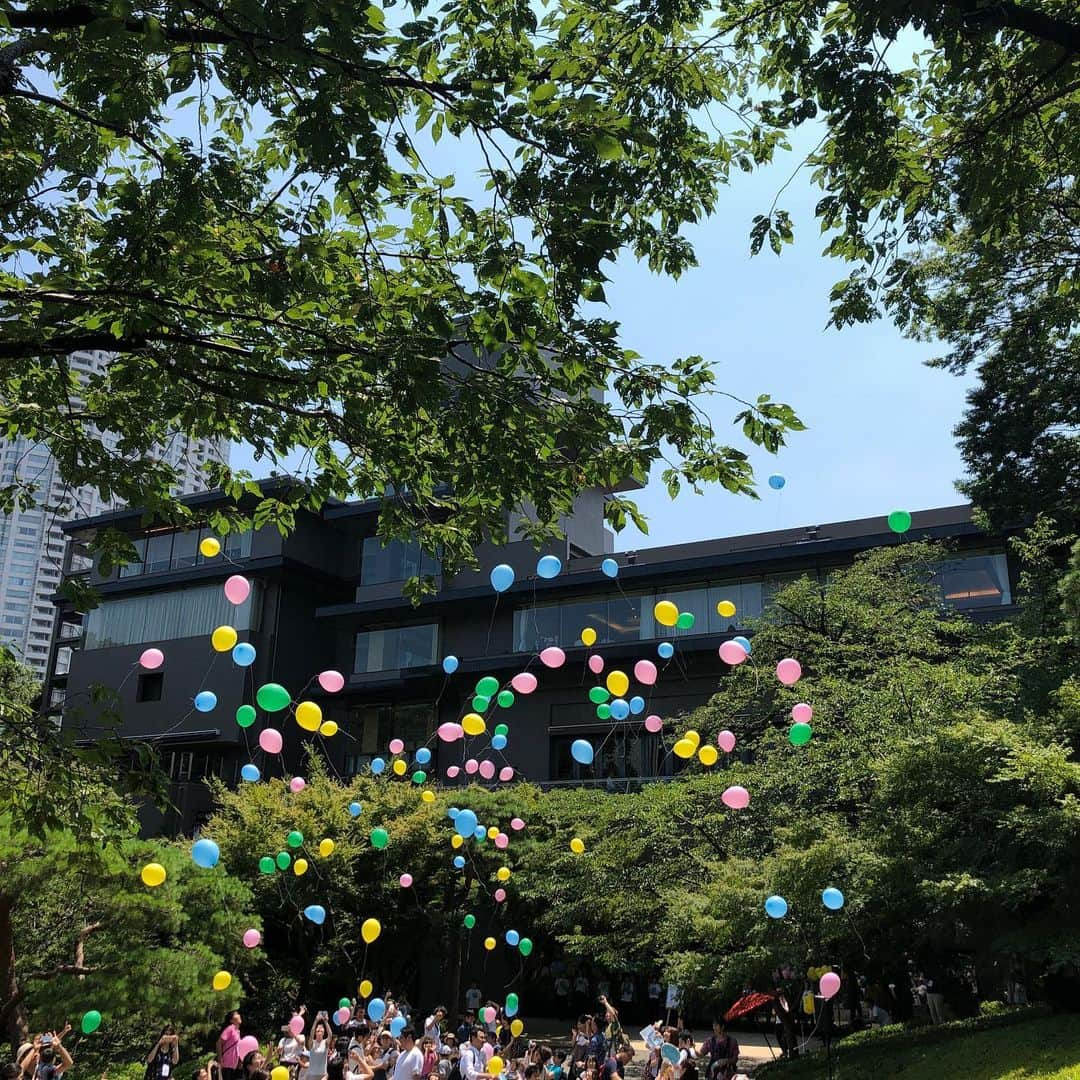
(328, 596)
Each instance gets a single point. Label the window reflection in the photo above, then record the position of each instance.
(397, 647)
(370, 728)
(973, 582)
(396, 561)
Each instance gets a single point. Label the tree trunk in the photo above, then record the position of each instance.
(12, 1011)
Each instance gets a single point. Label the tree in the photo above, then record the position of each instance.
(249, 208)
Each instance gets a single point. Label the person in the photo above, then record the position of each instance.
(473, 997)
(626, 991)
(616, 1066)
(410, 1061)
(48, 1058)
(554, 1068)
(581, 990)
(446, 1064)
(228, 1044)
(562, 996)
(432, 1026)
(386, 1056)
(935, 998)
(305, 1061)
(288, 1049)
(338, 1059)
(319, 1048)
(597, 1047)
(654, 995)
(722, 1051)
(472, 1056)
(358, 1066)
(164, 1056)
(464, 1031)
(430, 1052)
(688, 1068)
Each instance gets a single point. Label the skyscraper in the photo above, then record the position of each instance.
(32, 541)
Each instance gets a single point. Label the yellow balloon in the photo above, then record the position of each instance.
(503, 873)
(617, 683)
(222, 980)
(493, 831)
(429, 796)
(516, 1028)
(326, 847)
(588, 636)
(708, 755)
(328, 728)
(299, 868)
(694, 737)
(365, 988)
(456, 841)
(223, 638)
(577, 845)
(210, 546)
(496, 1064)
(473, 724)
(308, 715)
(370, 930)
(666, 613)
(399, 767)
(153, 874)
(489, 944)
(279, 1072)
(725, 608)
(684, 748)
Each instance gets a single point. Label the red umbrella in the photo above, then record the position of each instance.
(747, 1004)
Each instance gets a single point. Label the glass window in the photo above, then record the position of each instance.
(133, 569)
(973, 581)
(395, 561)
(185, 551)
(537, 627)
(696, 602)
(397, 647)
(158, 552)
(628, 753)
(149, 686)
(747, 598)
(373, 726)
(576, 615)
(238, 545)
(624, 617)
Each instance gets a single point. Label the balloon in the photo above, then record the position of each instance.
(405, 881)
(598, 695)
(620, 709)
(500, 895)
(487, 769)
(245, 716)
(250, 773)
(328, 729)
(725, 608)
(480, 703)
(726, 741)
(205, 853)
(450, 664)
(487, 686)
(251, 939)
(209, 546)
(341, 1017)
(331, 681)
(693, 737)
(789, 671)
(153, 874)
(524, 682)
(603, 712)
(295, 839)
(731, 652)
(517, 824)
(450, 732)
(396, 746)
(469, 921)
(316, 913)
(246, 1045)
(736, 798)
(379, 838)
(645, 672)
(300, 867)
(665, 613)
(222, 980)
(423, 756)
(465, 823)
(273, 697)
(237, 589)
(900, 521)
(617, 682)
(581, 750)
(502, 841)
(206, 701)
(419, 776)
(609, 568)
(833, 899)
(427, 796)
(776, 481)
(588, 636)
(266, 865)
(708, 755)
(802, 713)
(397, 1025)
(489, 943)
(365, 988)
(502, 729)
(452, 771)
(654, 724)
(776, 907)
(223, 638)
(502, 577)
(355, 809)
(473, 724)
(503, 873)
(549, 566)
(283, 859)
(553, 657)
(506, 774)
(685, 621)
(505, 699)
(577, 845)
(512, 1001)
(498, 742)
(830, 985)
(150, 659)
(378, 766)
(370, 929)
(243, 654)
(516, 1028)
(496, 1064)
(297, 784)
(91, 1021)
(684, 748)
(489, 1016)
(744, 642)
(800, 734)
(665, 650)
(525, 947)
(270, 740)
(596, 663)
(458, 862)
(637, 704)
(376, 1009)
(471, 766)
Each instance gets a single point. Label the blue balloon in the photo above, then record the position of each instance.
(206, 701)
(465, 823)
(549, 566)
(377, 765)
(498, 742)
(452, 813)
(670, 1054)
(581, 750)
(205, 853)
(620, 710)
(423, 756)
(665, 650)
(376, 1009)
(459, 862)
(243, 654)
(397, 1025)
(502, 577)
(316, 913)
(610, 568)
(355, 809)
(637, 704)
(745, 643)
(833, 899)
(480, 832)
(450, 664)
(776, 481)
(512, 938)
(776, 907)
(250, 772)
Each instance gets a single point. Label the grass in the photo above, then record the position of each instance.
(1047, 1048)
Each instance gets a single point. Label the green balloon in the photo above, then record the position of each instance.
(481, 839)
(512, 1002)
(598, 695)
(685, 621)
(379, 838)
(470, 921)
(283, 859)
(525, 946)
(501, 729)
(273, 697)
(344, 1003)
(480, 703)
(419, 776)
(266, 865)
(91, 1021)
(295, 839)
(603, 712)
(799, 735)
(505, 699)
(245, 715)
(900, 521)
(487, 686)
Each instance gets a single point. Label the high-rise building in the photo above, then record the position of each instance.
(32, 541)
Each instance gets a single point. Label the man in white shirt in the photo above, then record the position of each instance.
(432, 1027)
(410, 1062)
(472, 1064)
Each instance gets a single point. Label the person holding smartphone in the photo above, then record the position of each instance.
(164, 1056)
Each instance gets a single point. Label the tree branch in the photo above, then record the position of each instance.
(1036, 24)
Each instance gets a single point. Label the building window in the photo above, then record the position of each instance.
(158, 552)
(133, 569)
(629, 753)
(371, 728)
(973, 581)
(150, 686)
(397, 647)
(161, 551)
(396, 561)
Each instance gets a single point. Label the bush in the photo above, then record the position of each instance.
(992, 1008)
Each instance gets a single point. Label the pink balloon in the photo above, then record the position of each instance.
(654, 723)
(502, 840)
(524, 682)
(450, 732)
(553, 657)
(487, 1049)
(472, 765)
(297, 783)
(405, 881)
(237, 589)
(830, 985)
(152, 658)
(270, 740)
(489, 1017)
(246, 1045)
(789, 671)
(252, 938)
(487, 769)
(396, 746)
(802, 713)
(331, 681)
(596, 663)
(506, 773)
(452, 771)
(736, 798)
(296, 1024)
(726, 741)
(342, 1016)
(731, 652)
(645, 672)
(517, 824)
(500, 895)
